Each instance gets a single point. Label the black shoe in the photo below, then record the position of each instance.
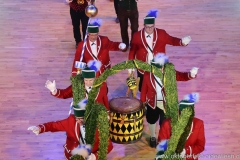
(77, 45)
(153, 142)
(125, 50)
(77, 42)
(117, 20)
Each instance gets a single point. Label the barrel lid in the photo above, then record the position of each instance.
(125, 104)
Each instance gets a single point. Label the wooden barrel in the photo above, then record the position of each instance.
(126, 119)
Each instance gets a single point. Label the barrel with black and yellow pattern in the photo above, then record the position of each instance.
(126, 119)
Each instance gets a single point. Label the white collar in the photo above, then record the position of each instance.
(90, 42)
(146, 34)
(88, 88)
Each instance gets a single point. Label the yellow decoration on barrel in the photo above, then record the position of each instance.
(126, 119)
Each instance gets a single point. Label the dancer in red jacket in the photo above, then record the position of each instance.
(153, 94)
(149, 41)
(89, 75)
(97, 48)
(195, 142)
(75, 129)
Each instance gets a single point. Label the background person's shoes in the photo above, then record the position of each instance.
(127, 47)
(77, 45)
(125, 50)
(117, 20)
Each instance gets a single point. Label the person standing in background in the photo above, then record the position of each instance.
(97, 48)
(89, 74)
(195, 142)
(153, 94)
(77, 13)
(127, 9)
(74, 126)
(150, 40)
(116, 10)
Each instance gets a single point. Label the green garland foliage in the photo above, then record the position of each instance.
(96, 114)
(170, 87)
(77, 157)
(177, 131)
(78, 89)
(103, 123)
(127, 65)
(183, 138)
(91, 123)
(98, 120)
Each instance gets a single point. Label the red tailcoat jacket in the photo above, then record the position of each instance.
(72, 129)
(101, 96)
(139, 49)
(195, 143)
(104, 45)
(149, 93)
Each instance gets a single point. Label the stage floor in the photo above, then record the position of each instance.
(37, 44)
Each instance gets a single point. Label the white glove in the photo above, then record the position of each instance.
(186, 40)
(182, 154)
(122, 46)
(69, 1)
(131, 70)
(35, 129)
(91, 157)
(194, 72)
(51, 86)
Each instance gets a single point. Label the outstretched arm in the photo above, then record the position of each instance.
(174, 41)
(54, 126)
(113, 46)
(51, 126)
(63, 93)
(185, 76)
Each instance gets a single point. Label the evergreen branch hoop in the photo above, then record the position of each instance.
(96, 114)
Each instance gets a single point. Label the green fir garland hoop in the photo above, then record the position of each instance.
(96, 114)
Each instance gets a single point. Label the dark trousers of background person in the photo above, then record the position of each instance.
(76, 18)
(153, 115)
(116, 6)
(140, 75)
(123, 16)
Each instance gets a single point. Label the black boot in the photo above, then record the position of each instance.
(153, 142)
